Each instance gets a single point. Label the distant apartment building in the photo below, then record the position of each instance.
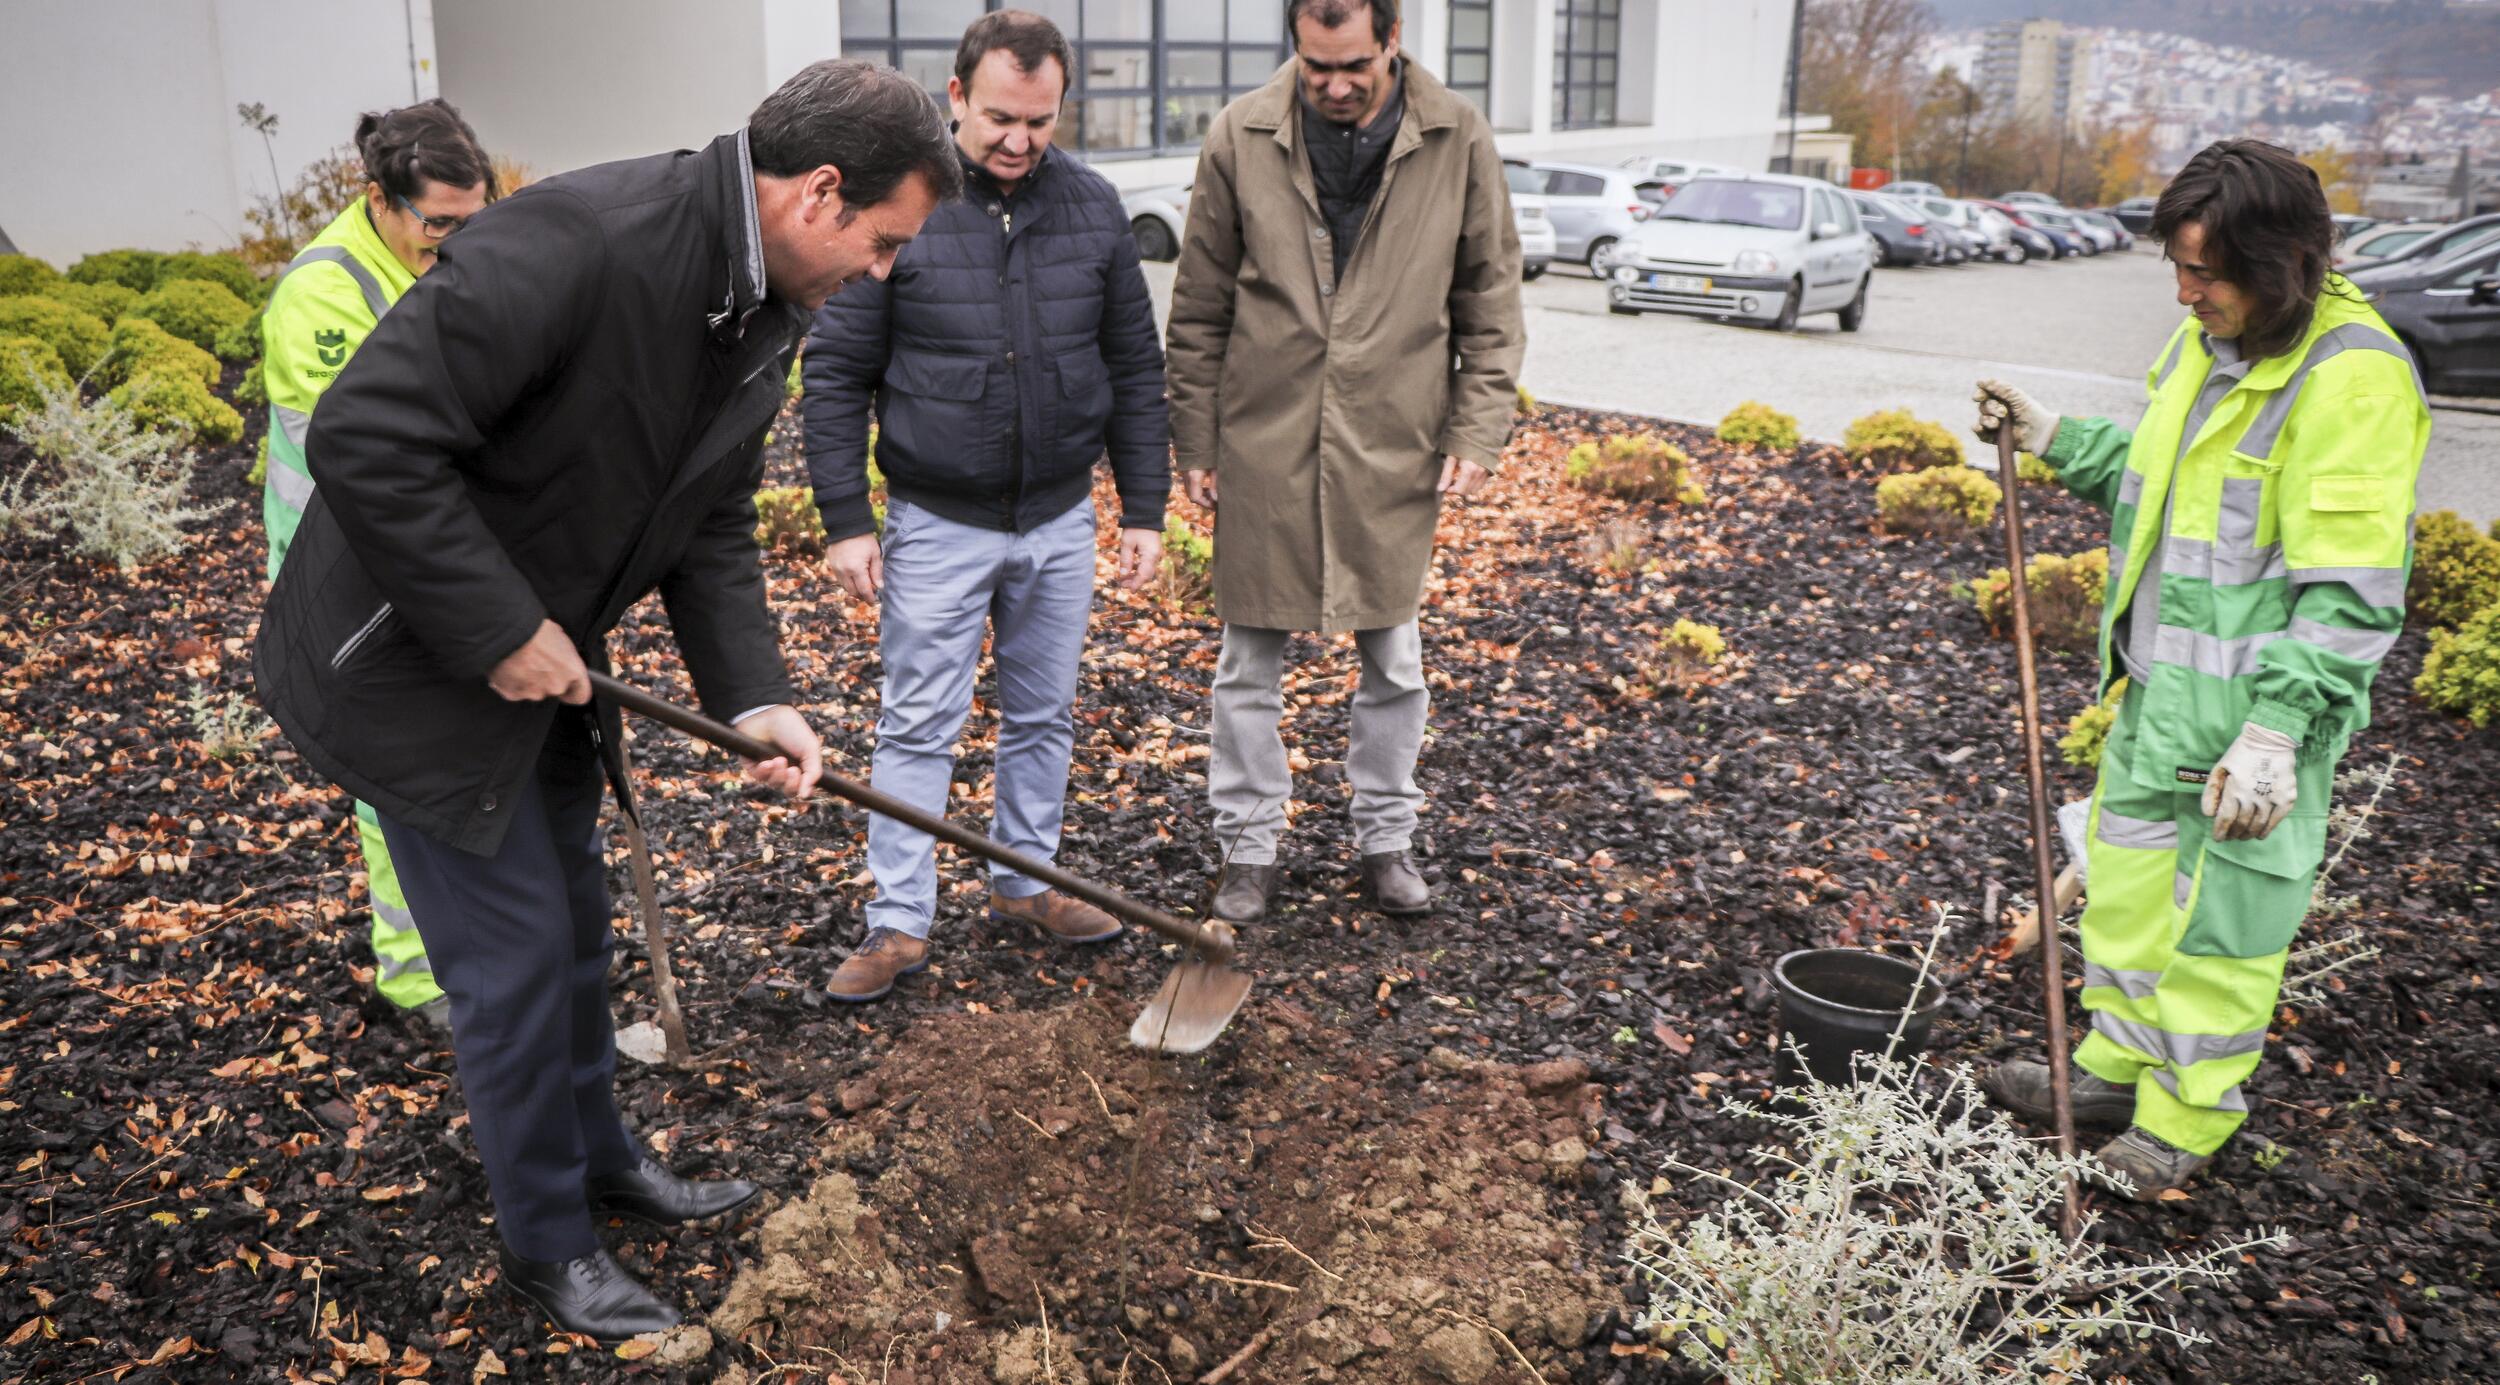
(2038, 69)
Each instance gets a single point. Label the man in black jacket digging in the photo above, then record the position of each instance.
(566, 415)
(1013, 346)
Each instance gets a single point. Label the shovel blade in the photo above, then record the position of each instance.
(1191, 1008)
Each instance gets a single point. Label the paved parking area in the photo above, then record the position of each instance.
(2079, 334)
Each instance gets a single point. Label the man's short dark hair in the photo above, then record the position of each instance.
(428, 142)
(2268, 233)
(1027, 37)
(871, 122)
(1332, 14)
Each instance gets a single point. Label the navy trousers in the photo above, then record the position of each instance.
(520, 942)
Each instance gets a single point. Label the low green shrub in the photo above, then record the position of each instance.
(132, 269)
(25, 274)
(1188, 576)
(1689, 651)
(786, 521)
(220, 268)
(139, 344)
(2462, 674)
(76, 337)
(241, 342)
(1939, 500)
(252, 391)
(2088, 734)
(1754, 425)
(1527, 401)
(2456, 570)
(170, 400)
(2033, 471)
(2066, 594)
(106, 303)
(1895, 440)
(1635, 467)
(199, 312)
(27, 366)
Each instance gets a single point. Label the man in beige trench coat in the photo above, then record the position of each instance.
(1343, 351)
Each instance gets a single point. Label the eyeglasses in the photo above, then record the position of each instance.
(435, 227)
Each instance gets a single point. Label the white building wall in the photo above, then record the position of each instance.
(560, 84)
(120, 113)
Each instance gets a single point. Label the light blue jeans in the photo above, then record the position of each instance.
(946, 586)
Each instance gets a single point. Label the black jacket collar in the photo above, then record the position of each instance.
(730, 174)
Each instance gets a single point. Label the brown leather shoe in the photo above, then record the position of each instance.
(1065, 918)
(1395, 886)
(1243, 892)
(869, 973)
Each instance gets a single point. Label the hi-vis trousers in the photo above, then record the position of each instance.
(2184, 938)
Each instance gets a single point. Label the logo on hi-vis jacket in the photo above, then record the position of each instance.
(332, 347)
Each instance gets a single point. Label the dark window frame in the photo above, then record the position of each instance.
(1165, 131)
(1479, 92)
(1588, 69)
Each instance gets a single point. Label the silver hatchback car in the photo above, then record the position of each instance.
(1592, 208)
(1766, 247)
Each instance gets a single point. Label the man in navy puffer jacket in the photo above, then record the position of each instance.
(1013, 345)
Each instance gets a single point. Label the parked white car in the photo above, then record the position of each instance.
(1647, 168)
(2096, 237)
(1591, 208)
(1528, 213)
(1998, 228)
(1155, 217)
(1765, 247)
(1911, 192)
(1972, 220)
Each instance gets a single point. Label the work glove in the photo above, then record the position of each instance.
(2000, 402)
(2253, 789)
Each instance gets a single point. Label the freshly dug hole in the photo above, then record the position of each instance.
(1029, 1199)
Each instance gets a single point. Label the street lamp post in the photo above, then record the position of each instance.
(1961, 173)
(1796, 50)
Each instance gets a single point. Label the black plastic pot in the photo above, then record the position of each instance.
(1838, 1002)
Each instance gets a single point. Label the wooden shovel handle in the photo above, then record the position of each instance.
(1210, 944)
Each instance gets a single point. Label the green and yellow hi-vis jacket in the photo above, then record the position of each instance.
(324, 305)
(2290, 535)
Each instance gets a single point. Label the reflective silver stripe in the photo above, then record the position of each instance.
(372, 623)
(2170, 362)
(2232, 1099)
(2138, 834)
(2178, 1050)
(2383, 587)
(2236, 525)
(2182, 889)
(2131, 490)
(2367, 646)
(397, 916)
(2224, 565)
(294, 488)
(295, 423)
(2138, 985)
(391, 969)
(337, 255)
(2260, 438)
(2210, 654)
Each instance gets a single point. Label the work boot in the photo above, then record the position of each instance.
(1065, 918)
(650, 1192)
(434, 1017)
(2022, 1087)
(592, 1295)
(1394, 885)
(869, 973)
(1242, 893)
(2151, 1164)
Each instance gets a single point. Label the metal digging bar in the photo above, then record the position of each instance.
(2043, 829)
(1188, 1011)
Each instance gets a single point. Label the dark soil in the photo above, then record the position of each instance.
(226, 1161)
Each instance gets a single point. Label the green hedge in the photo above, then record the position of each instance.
(167, 400)
(199, 312)
(1893, 440)
(140, 345)
(1756, 425)
(1939, 500)
(2462, 674)
(25, 274)
(78, 338)
(26, 365)
(227, 271)
(2456, 571)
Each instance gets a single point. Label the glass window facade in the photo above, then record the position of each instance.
(1587, 36)
(1151, 74)
(1470, 68)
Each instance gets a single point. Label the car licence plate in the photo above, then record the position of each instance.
(1679, 283)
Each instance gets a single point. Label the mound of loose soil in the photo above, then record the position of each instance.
(1030, 1199)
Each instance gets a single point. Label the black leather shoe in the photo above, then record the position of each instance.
(649, 1192)
(1395, 886)
(1243, 893)
(592, 1295)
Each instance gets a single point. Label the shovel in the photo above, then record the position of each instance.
(1187, 1012)
(2042, 831)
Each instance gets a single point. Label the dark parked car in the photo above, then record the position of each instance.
(2136, 214)
(2447, 312)
(2045, 242)
(2109, 222)
(1898, 239)
(2447, 242)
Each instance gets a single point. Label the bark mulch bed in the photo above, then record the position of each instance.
(225, 1160)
